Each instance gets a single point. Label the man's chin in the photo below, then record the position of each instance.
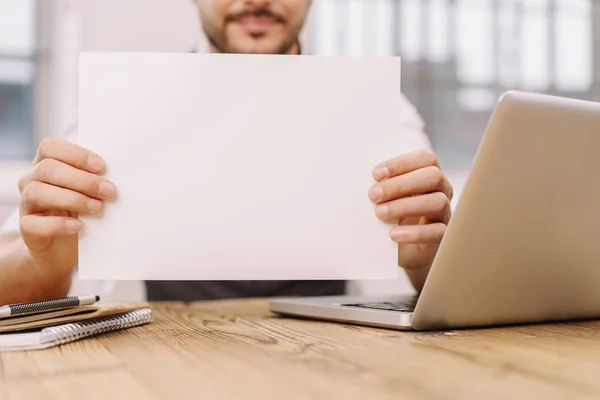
(242, 42)
(255, 47)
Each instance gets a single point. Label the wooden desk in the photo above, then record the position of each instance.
(236, 349)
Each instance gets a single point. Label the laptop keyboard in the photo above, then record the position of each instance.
(400, 306)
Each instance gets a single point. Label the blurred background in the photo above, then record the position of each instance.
(458, 56)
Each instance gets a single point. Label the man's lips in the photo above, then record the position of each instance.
(256, 24)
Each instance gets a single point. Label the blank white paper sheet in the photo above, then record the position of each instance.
(238, 167)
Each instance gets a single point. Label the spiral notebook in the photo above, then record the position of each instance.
(58, 334)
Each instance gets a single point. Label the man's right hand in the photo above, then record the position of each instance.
(62, 184)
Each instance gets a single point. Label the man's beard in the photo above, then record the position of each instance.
(284, 48)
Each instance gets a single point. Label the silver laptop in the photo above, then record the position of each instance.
(523, 245)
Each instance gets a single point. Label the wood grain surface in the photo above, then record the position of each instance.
(237, 349)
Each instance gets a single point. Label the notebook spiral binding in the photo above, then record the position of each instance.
(58, 335)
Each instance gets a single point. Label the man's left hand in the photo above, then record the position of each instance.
(413, 190)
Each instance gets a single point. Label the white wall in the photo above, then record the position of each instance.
(139, 25)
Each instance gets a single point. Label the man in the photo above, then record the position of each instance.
(38, 249)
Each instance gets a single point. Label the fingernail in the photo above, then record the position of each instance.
(95, 163)
(375, 193)
(107, 190)
(94, 205)
(74, 225)
(398, 234)
(380, 173)
(382, 211)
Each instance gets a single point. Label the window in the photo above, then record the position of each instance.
(460, 55)
(17, 78)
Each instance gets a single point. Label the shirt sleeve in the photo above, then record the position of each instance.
(11, 225)
(412, 131)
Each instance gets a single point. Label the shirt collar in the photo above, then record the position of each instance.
(201, 45)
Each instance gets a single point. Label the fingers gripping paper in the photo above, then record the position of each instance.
(238, 167)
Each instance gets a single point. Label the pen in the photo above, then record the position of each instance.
(49, 305)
